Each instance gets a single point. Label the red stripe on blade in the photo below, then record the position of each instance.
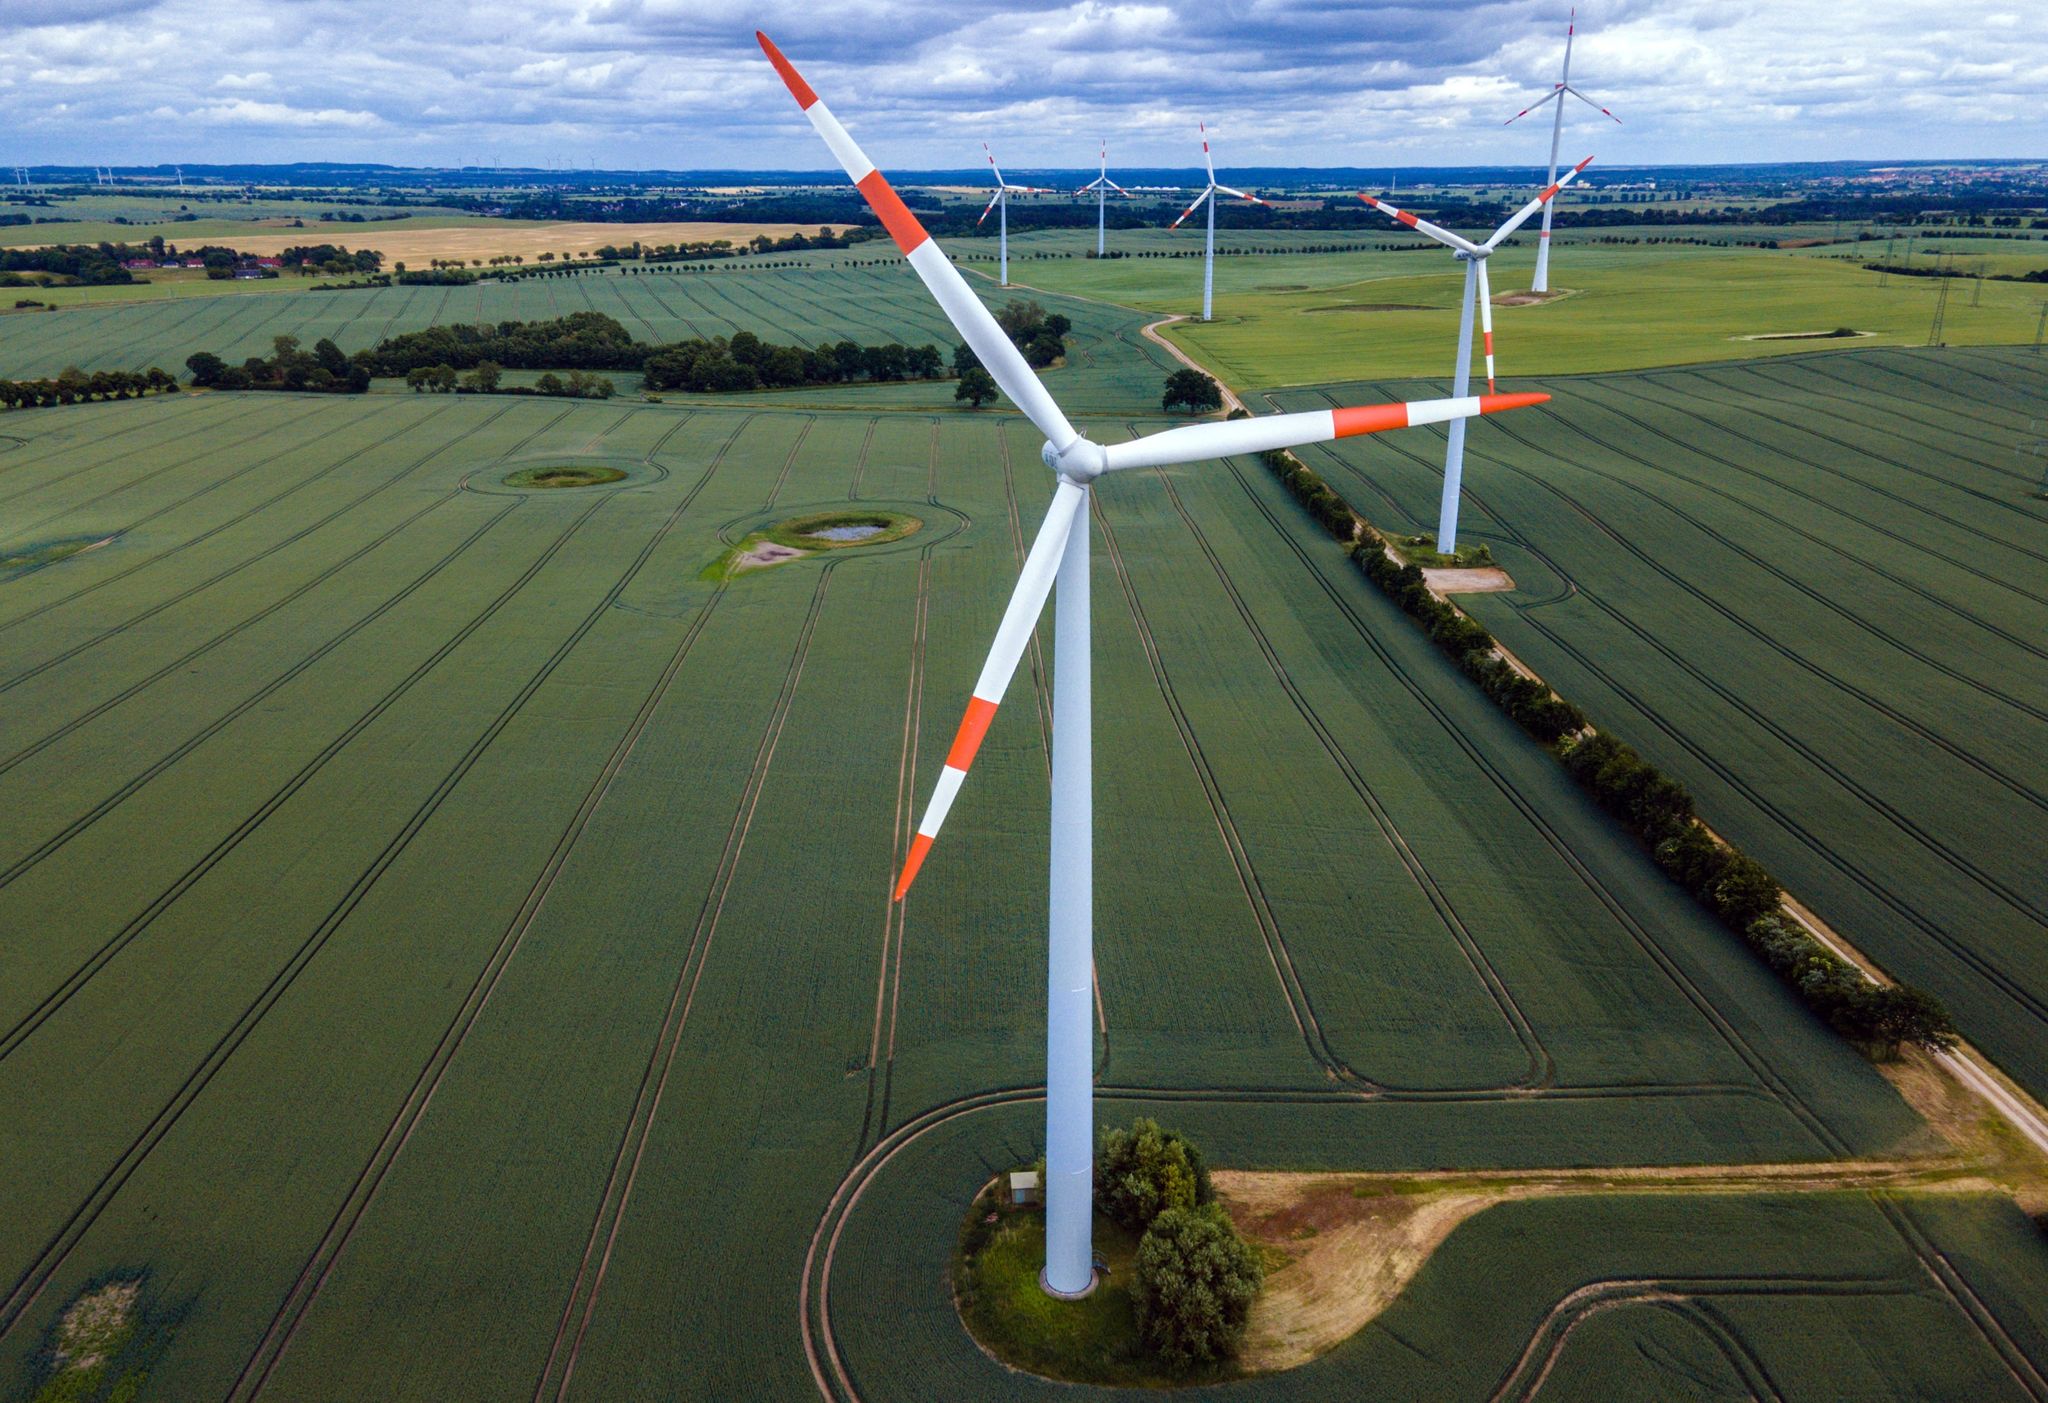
(919, 846)
(973, 726)
(1402, 215)
(888, 206)
(1369, 419)
(1494, 404)
(792, 79)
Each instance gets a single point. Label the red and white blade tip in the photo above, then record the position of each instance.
(791, 79)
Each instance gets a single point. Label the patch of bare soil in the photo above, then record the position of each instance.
(1841, 334)
(1370, 307)
(1491, 580)
(95, 1326)
(1531, 299)
(766, 553)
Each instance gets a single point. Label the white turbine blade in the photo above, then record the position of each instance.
(1590, 103)
(1242, 196)
(1486, 321)
(1544, 197)
(1550, 96)
(1441, 235)
(1118, 188)
(1197, 442)
(1192, 208)
(1000, 182)
(993, 201)
(976, 325)
(1041, 567)
(1571, 31)
(1204, 128)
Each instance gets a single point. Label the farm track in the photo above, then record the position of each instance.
(116, 630)
(588, 1284)
(1542, 1066)
(356, 1203)
(28, 1285)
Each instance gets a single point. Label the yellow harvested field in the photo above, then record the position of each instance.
(415, 242)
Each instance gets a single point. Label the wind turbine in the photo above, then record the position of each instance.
(1102, 185)
(1001, 203)
(1209, 190)
(1541, 282)
(1059, 555)
(1474, 257)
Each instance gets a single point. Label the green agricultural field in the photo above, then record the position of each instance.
(1816, 590)
(1390, 307)
(454, 952)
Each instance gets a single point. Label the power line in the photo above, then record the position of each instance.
(1941, 282)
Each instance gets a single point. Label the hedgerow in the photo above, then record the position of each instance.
(1739, 891)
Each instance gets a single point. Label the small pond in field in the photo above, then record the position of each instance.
(848, 533)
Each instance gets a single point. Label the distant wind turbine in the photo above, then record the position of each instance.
(1001, 204)
(1102, 185)
(1541, 282)
(1208, 192)
(1474, 257)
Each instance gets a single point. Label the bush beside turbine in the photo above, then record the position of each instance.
(1059, 555)
(1473, 256)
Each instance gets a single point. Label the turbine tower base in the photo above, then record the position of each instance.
(1094, 1280)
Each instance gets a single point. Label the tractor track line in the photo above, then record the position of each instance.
(355, 1206)
(268, 428)
(639, 1128)
(1759, 1067)
(1811, 537)
(1763, 636)
(1542, 1066)
(30, 1283)
(180, 411)
(101, 708)
(302, 533)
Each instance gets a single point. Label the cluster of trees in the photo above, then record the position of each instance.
(1191, 390)
(74, 386)
(1736, 888)
(331, 259)
(581, 340)
(746, 362)
(1746, 898)
(322, 370)
(435, 277)
(93, 265)
(486, 378)
(1196, 1277)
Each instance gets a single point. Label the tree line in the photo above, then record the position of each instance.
(74, 386)
(1733, 886)
(323, 370)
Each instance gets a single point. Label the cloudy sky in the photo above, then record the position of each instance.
(680, 84)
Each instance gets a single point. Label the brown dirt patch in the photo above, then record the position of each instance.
(766, 553)
(1526, 298)
(1491, 580)
(1371, 307)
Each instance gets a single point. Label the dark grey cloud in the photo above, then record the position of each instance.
(922, 82)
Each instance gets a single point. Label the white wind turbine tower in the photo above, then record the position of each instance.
(1541, 282)
(1059, 555)
(1001, 204)
(1208, 194)
(1102, 185)
(1474, 257)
